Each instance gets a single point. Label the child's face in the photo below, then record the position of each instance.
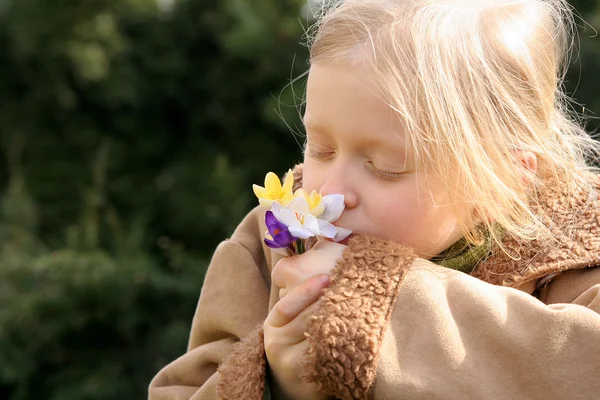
(356, 147)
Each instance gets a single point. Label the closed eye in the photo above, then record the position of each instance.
(385, 175)
(318, 155)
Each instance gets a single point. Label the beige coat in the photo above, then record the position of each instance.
(393, 326)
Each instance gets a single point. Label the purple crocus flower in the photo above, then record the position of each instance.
(278, 231)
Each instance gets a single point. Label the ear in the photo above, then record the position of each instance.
(528, 161)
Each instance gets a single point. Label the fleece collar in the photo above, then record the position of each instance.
(573, 217)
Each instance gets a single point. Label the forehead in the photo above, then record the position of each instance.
(342, 100)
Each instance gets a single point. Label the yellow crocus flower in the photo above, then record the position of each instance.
(274, 190)
(313, 199)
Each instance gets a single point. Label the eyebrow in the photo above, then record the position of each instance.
(317, 127)
(326, 129)
(367, 142)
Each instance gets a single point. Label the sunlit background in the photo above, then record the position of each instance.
(130, 134)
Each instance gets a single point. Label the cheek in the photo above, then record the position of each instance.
(397, 215)
(415, 221)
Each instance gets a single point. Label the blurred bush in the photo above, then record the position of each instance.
(183, 97)
(130, 132)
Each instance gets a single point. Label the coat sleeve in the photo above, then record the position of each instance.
(454, 336)
(232, 306)
(449, 335)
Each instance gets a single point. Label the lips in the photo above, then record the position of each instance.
(345, 241)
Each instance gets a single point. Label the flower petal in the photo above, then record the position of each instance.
(272, 182)
(286, 198)
(272, 244)
(301, 232)
(312, 224)
(259, 191)
(314, 198)
(318, 210)
(285, 216)
(276, 208)
(288, 182)
(270, 219)
(334, 206)
(284, 238)
(301, 193)
(342, 234)
(326, 229)
(299, 204)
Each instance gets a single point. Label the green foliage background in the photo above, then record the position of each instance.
(130, 134)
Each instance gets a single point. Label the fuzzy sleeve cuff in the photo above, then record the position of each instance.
(243, 373)
(346, 334)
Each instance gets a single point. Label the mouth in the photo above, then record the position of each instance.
(345, 241)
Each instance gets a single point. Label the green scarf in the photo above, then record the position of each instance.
(464, 257)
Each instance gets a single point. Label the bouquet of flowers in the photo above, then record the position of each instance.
(296, 220)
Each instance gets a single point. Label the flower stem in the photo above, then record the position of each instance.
(300, 246)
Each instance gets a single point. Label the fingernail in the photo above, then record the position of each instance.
(324, 279)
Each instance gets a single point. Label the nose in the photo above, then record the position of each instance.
(339, 180)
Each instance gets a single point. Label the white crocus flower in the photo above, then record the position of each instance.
(297, 217)
(302, 224)
(334, 206)
(342, 233)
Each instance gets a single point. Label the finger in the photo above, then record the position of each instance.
(279, 271)
(297, 300)
(295, 330)
(286, 290)
(330, 245)
(291, 333)
(284, 361)
(293, 275)
(321, 240)
(289, 273)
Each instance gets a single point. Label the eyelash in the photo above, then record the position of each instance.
(384, 175)
(318, 155)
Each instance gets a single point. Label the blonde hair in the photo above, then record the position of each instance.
(476, 82)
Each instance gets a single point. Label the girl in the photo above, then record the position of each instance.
(473, 272)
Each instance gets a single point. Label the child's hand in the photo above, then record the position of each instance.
(301, 279)
(321, 259)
